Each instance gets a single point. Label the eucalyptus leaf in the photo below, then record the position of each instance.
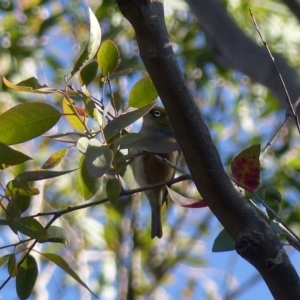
(98, 159)
(60, 262)
(108, 57)
(121, 122)
(10, 157)
(30, 85)
(143, 93)
(113, 190)
(92, 46)
(90, 185)
(27, 121)
(223, 242)
(26, 277)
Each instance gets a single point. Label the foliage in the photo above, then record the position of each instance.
(88, 143)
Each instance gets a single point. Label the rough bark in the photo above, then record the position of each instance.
(255, 241)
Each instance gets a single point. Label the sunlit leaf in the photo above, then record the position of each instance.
(98, 158)
(184, 201)
(82, 144)
(20, 188)
(4, 259)
(77, 122)
(223, 242)
(142, 93)
(26, 277)
(124, 120)
(113, 189)
(108, 57)
(55, 159)
(60, 262)
(92, 46)
(11, 157)
(30, 85)
(26, 121)
(245, 167)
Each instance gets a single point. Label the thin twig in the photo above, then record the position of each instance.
(275, 136)
(291, 107)
(168, 163)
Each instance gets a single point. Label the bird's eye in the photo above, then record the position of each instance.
(156, 113)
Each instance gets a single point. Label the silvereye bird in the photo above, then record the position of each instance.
(148, 170)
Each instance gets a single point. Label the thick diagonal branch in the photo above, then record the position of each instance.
(255, 240)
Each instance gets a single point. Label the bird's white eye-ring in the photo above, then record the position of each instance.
(156, 113)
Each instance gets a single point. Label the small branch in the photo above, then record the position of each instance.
(287, 119)
(279, 74)
(168, 163)
(16, 244)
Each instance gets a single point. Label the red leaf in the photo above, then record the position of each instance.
(245, 168)
(197, 204)
(184, 201)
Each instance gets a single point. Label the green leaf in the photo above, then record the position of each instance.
(142, 93)
(13, 211)
(4, 259)
(119, 123)
(90, 185)
(12, 266)
(20, 188)
(55, 159)
(88, 73)
(60, 262)
(69, 137)
(26, 121)
(92, 46)
(108, 57)
(11, 157)
(40, 175)
(90, 106)
(23, 202)
(76, 122)
(30, 85)
(272, 198)
(223, 242)
(26, 277)
(116, 101)
(57, 234)
(126, 140)
(120, 73)
(155, 145)
(32, 228)
(113, 190)
(98, 158)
